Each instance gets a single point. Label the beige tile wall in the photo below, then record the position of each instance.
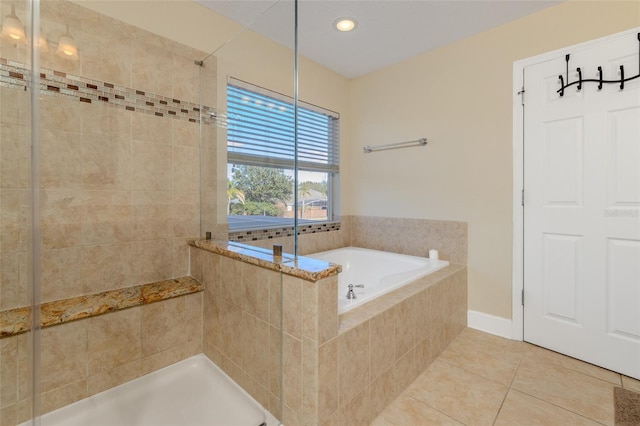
(411, 236)
(312, 243)
(349, 377)
(336, 369)
(15, 379)
(398, 235)
(380, 356)
(120, 189)
(237, 339)
(82, 358)
(15, 168)
(124, 218)
(15, 208)
(120, 198)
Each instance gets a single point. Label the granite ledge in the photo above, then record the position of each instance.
(18, 320)
(306, 268)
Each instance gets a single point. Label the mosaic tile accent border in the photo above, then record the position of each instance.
(61, 84)
(282, 232)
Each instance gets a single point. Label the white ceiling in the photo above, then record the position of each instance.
(388, 31)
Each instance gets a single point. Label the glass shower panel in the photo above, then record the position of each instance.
(119, 197)
(248, 166)
(19, 336)
(251, 129)
(321, 97)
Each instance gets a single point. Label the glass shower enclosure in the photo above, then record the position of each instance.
(113, 156)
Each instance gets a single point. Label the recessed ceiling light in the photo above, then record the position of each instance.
(345, 24)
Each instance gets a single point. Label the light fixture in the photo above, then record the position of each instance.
(67, 47)
(345, 24)
(12, 28)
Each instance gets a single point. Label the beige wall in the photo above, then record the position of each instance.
(184, 21)
(460, 98)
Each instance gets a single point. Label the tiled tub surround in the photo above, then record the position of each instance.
(336, 369)
(396, 235)
(411, 236)
(386, 344)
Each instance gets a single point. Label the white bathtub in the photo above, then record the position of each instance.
(380, 272)
(193, 392)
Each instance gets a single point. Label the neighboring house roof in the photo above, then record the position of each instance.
(311, 197)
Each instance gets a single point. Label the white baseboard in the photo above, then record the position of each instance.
(489, 324)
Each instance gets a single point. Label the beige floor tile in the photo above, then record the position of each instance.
(574, 364)
(466, 397)
(577, 392)
(631, 384)
(489, 356)
(406, 411)
(520, 409)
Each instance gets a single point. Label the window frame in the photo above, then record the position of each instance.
(331, 167)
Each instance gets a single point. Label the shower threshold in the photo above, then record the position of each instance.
(192, 392)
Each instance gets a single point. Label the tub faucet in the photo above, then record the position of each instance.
(350, 293)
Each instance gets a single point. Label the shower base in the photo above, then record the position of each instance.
(191, 392)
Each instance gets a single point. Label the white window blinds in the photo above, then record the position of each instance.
(260, 130)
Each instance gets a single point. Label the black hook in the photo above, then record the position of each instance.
(579, 78)
(621, 77)
(561, 86)
(600, 78)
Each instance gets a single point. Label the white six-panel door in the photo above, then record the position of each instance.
(582, 208)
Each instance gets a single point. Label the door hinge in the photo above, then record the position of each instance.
(521, 93)
(522, 297)
(522, 197)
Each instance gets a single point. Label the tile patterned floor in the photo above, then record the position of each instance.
(481, 379)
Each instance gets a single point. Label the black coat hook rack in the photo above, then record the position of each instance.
(600, 80)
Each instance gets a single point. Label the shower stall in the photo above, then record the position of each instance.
(113, 156)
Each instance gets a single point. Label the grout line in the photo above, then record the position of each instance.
(551, 402)
(433, 408)
(560, 407)
(566, 367)
(509, 387)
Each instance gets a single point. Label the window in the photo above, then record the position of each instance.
(260, 159)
